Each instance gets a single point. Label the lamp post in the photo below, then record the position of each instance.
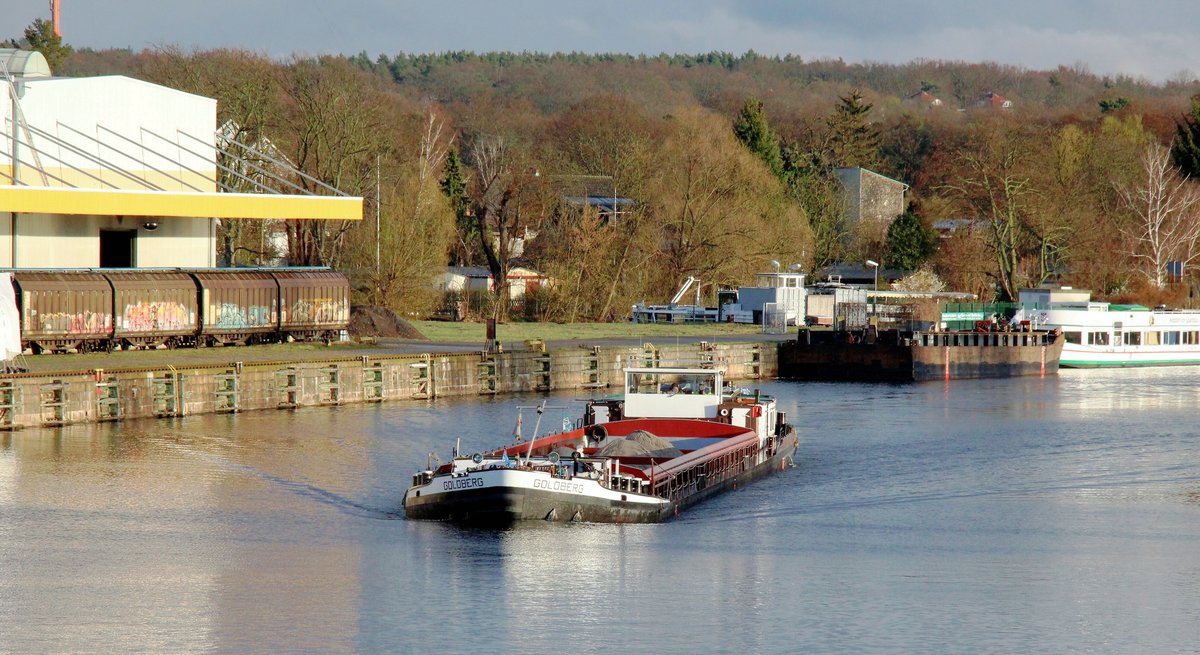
(874, 297)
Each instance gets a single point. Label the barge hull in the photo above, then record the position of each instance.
(893, 361)
(506, 505)
(509, 505)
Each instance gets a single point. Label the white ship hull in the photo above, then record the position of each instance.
(1115, 338)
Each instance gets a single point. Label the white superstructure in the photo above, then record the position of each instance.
(1104, 334)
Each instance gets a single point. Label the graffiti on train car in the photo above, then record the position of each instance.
(318, 310)
(85, 322)
(234, 316)
(148, 316)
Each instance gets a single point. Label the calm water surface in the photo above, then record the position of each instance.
(1006, 516)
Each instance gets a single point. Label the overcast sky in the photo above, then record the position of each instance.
(1155, 39)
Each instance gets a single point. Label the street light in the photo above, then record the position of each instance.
(875, 296)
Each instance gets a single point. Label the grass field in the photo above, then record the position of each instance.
(518, 332)
(510, 334)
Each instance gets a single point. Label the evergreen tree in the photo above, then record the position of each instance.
(852, 140)
(909, 242)
(752, 130)
(41, 37)
(454, 185)
(1186, 149)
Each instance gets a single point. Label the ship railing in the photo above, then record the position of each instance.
(716, 470)
(1007, 339)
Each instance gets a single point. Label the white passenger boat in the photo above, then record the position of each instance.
(1101, 334)
(675, 438)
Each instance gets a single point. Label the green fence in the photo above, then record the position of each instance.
(962, 315)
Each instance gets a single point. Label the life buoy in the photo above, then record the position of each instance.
(724, 411)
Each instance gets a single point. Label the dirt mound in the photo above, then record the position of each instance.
(639, 443)
(371, 321)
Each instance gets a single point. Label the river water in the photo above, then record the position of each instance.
(1021, 515)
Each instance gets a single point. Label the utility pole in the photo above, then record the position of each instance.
(378, 269)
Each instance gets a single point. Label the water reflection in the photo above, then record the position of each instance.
(977, 515)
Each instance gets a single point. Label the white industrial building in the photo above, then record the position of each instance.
(113, 172)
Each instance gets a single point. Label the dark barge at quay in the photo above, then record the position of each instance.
(913, 356)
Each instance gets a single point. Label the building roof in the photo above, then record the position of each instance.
(860, 171)
(117, 146)
(955, 224)
(24, 63)
(858, 273)
(469, 271)
(993, 99)
(926, 98)
(608, 203)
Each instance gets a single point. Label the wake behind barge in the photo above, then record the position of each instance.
(677, 437)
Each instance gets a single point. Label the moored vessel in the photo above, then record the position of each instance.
(676, 437)
(989, 351)
(1101, 334)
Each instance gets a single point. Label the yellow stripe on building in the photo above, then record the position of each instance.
(111, 202)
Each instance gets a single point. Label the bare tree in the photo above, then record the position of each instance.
(505, 202)
(338, 128)
(395, 260)
(1164, 216)
(995, 185)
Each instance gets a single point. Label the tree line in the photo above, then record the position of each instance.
(729, 161)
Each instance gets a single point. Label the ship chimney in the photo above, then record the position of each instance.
(54, 16)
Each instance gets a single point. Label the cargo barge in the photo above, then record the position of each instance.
(909, 356)
(677, 436)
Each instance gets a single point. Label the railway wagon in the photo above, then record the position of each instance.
(238, 307)
(312, 304)
(152, 309)
(64, 310)
(82, 311)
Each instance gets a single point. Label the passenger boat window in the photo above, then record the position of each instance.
(1170, 338)
(1135, 338)
(1097, 338)
(1073, 337)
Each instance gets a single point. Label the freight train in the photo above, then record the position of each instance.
(100, 310)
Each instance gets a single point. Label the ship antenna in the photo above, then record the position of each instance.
(540, 409)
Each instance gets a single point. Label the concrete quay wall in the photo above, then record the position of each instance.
(28, 400)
